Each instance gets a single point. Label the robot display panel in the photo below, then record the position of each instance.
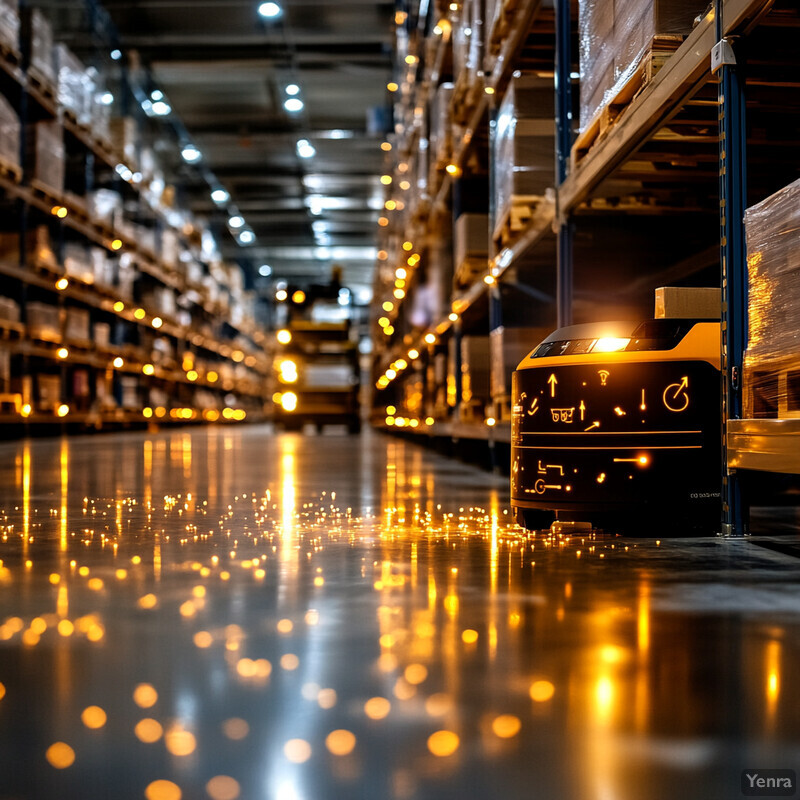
(605, 435)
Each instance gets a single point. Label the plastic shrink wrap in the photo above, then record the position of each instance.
(614, 38)
(772, 357)
(9, 24)
(9, 133)
(524, 148)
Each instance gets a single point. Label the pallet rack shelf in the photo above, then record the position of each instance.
(160, 348)
(650, 166)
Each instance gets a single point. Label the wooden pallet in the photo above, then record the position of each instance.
(465, 97)
(502, 26)
(521, 210)
(11, 172)
(772, 390)
(10, 54)
(42, 85)
(662, 47)
(49, 193)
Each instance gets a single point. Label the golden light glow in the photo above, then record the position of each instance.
(289, 401)
(392, 87)
(281, 295)
(489, 90)
(401, 273)
(140, 313)
(119, 306)
(452, 169)
(383, 221)
(118, 362)
(192, 375)
(179, 741)
(489, 280)
(386, 180)
(469, 636)
(148, 731)
(610, 344)
(94, 717)
(297, 750)
(430, 338)
(163, 790)
(62, 353)
(148, 369)
(60, 755)
(377, 708)
(416, 674)
(411, 59)
(61, 284)
(26, 410)
(116, 244)
(284, 336)
(157, 322)
(340, 742)
(62, 410)
(506, 726)
(235, 728)
(223, 787)
(145, 696)
(443, 743)
(299, 297)
(212, 377)
(541, 691)
(387, 306)
(386, 146)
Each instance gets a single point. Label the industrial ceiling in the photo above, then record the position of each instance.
(304, 184)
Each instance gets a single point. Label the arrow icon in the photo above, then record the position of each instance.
(595, 424)
(582, 409)
(552, 380)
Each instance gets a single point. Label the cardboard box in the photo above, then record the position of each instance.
(688, 302)
(470, 247)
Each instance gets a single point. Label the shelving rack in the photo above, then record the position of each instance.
(639, 205)
(114, 316)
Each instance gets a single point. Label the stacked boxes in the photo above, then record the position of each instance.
(47, 158)
(508, 346)
(772, 358)
(9, 24)
(474, 374)
(43, 321)
(38, 32)
(614, 38)
(524, 148)
(441, 139)
(9, 133)
(77, 325)
(470, 247)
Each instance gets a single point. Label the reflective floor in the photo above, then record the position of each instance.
(228, 613)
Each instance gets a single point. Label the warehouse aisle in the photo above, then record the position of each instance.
(225, 612)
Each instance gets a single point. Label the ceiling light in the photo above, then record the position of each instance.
(106, 98)
(220, 196)
(156, 94)
(247, 237)
(265, 270)
(161, 109)
(293, 104)
(116, 55)
(270, 10)
(236, 221)
(305, 149)
(191, 154)
(292, 89)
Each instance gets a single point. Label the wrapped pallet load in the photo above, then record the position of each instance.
(618, 40)
(524, 151)
(9, 24)
(9, 135)
(772, 358)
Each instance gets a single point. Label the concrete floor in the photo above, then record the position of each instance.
(225, 612)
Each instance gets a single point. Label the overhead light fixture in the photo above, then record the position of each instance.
(236, 221)
(305, 149)
(162, 109)
(265, 270)
(116, 55)
(293, 104)
(247, 237)
(156, 94)
(292, 89)
(106, 98)
(220, 196)
(270, 10)
(191, 154)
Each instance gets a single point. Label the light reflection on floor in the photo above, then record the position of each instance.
(219, 613)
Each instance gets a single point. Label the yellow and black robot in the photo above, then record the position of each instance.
(619, 425)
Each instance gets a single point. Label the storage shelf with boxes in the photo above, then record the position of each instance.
(116, 308)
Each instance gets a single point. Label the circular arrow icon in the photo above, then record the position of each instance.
(676, 396)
